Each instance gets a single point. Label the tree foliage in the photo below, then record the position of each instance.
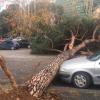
(46, 23)
(59, 34)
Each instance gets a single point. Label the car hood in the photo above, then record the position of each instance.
(76, 62)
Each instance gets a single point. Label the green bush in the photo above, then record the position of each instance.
(39, 45)
(84, 27)
(42, 45)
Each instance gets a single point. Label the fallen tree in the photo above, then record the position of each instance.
(7, 72)
(39, 82)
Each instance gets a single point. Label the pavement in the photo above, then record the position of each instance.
(22, 64)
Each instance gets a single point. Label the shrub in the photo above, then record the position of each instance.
(57, 34)
(39, 44)
(42, 45)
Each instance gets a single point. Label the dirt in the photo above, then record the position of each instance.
(21, 63)
(22, 94)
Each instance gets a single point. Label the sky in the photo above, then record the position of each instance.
(5, 3)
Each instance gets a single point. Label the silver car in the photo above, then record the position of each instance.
(81, 71)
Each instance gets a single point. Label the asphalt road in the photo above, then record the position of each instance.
(23, 65)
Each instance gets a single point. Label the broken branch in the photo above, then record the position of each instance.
(7, 72)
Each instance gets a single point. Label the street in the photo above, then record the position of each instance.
(23, 65)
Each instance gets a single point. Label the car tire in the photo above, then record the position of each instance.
(81, 80)
(28, 46)
(12, 48)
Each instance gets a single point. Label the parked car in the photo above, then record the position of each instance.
(18, 38)
(9, 45)
(1, 40)
(81, 71)
(23, 42)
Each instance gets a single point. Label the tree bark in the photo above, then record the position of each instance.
(8, 72)
(71, 44)
(38, 83)
(95, 30)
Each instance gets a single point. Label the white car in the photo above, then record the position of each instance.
(81, 71)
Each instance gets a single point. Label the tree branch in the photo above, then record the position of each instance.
(95, 30)
(56, 50)
(83, 44)
(49, 40)
(39, 82)
(8, 72)
(78, 29)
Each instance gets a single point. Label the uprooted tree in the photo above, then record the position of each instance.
(39, 82)
(37, 85)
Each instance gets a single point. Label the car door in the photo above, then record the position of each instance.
(9, 44)
(97, 71)
(6, 45)
(3, 45)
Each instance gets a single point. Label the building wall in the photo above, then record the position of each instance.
(46, 1)
(59, 2)
(52, 1)
(96, 3)
(76, 7)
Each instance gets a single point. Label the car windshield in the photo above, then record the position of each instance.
(94, 57)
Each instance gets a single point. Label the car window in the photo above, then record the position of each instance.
(94, 57)
(9, 42)
(3, 44)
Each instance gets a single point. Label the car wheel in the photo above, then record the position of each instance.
(81, 80)
(28, 46)
(12, 48)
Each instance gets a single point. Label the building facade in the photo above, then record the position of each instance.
(76, 7)
(96, 3)
(59, 2)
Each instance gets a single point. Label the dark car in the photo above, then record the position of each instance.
(9, 45)
(24, 43)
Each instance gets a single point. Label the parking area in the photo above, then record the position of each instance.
(21, 53)
(23, 65)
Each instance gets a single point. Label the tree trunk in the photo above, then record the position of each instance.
(71, 44)
(40, 81)
(8, 72)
